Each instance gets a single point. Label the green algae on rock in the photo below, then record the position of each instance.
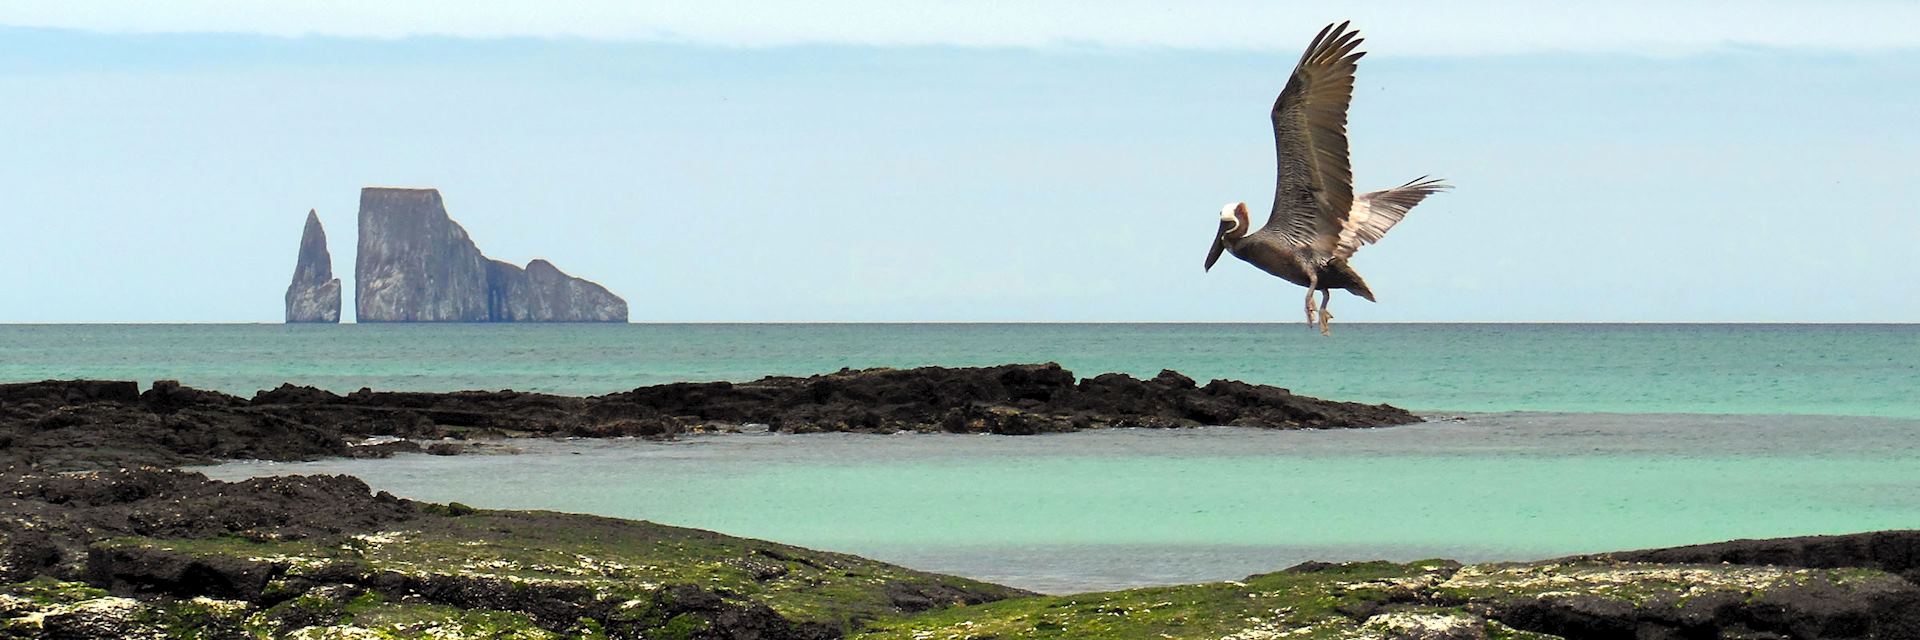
(587, 566)
(156, 553)
(529, 575)
(1439, 599)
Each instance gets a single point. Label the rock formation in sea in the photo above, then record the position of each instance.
(417, 265)
(542, 293)
(314, 295)
(83, 425)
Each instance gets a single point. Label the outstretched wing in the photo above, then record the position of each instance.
(1314, 190)
(1374, 213)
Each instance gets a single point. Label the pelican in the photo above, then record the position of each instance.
(1317, 221)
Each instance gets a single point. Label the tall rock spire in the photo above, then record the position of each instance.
(314, 295)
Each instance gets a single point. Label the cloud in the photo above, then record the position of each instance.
(1655, 27)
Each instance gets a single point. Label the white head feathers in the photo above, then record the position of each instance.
(1228, 214)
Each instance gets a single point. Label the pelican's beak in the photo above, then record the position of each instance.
(1219, 244)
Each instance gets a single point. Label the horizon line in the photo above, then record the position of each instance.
(968, 322)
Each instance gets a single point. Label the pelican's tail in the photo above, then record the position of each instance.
(1344, 277)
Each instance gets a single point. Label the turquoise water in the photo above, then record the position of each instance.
(1576, 438)
(1117, 508)
(1864, 370)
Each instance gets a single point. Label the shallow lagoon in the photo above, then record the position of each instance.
(1116, 508)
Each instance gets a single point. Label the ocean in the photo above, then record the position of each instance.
(1545, 440)
(1852, 370)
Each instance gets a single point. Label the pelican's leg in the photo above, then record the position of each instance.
(1326, 296)
(1313, 282)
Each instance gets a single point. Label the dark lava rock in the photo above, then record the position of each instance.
(147, 571)
(33, 397)
(89, 425)
(51, 519)
(314, 294)
(1870, 605)
(75, 526)
(722, 618)
(86, 425)
(553, 605)
(1813, 608)
(168, 396)
(1007, 399)
(1896, 552)
(915, 598)
(290, 394)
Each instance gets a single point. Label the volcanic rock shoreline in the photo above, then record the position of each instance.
(79, 425)
(96, 541)
(155, 553)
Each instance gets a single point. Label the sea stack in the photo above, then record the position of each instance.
(417, 265)
(314, 295)
(542, 293)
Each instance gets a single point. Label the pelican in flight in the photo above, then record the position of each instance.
(1317, 221)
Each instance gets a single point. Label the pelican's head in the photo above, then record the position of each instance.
(1234, 223)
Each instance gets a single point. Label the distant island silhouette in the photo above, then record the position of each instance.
(415, 264)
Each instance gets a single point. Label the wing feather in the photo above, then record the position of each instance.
(1374, 213)
(1313, 192)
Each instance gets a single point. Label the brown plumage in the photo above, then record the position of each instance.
(1317, 222)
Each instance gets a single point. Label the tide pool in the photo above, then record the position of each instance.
(1117, 508)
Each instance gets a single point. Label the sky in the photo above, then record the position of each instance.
(981, 161)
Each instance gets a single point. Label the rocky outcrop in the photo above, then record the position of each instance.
(314, 295)
(82, 425)
(87, 425)
(300, 556)
(415, 264)
(1896, 552)
(1015, 399)
(60, 515)
(164, 553)
(1645, 600)
(542, 293)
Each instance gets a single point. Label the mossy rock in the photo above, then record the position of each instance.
(557, 570)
